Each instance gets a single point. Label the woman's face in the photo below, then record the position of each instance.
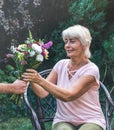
(73, 47)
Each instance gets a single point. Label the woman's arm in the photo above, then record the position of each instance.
(40, 91)
(77, 89)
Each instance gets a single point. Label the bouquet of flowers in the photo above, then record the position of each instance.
(28, 55)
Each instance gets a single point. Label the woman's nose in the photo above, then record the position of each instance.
(67, 44)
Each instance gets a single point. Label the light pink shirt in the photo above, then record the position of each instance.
(87, 107)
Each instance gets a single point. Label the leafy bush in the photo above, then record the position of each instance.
(7, 74)
(109, 54)
(109, 48)
(16, 124)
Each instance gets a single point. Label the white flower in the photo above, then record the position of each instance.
(13, 49)
(27, 41)
(22, 47)
(39, 57)
(37, 48)
(32, 53)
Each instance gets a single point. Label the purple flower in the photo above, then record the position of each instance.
(29, 45)
(47, 45)
(9, 55)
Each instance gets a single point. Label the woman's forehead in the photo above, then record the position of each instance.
(71, 38)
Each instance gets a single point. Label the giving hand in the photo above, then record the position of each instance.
(18, 87)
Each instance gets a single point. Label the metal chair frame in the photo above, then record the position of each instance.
(38, 118)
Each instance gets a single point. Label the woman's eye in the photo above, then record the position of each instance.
(65, 42)
(72, 41)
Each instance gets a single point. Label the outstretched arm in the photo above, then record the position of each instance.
(17, 87)
(78, 88)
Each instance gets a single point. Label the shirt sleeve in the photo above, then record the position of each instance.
(58, 66)
(93, 71)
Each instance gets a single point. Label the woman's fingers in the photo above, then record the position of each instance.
(31, 75)
(31, 70)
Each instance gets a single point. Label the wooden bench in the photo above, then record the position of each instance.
(46, 107)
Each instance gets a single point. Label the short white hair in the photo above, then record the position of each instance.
(82, 34)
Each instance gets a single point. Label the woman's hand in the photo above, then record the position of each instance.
(31, 75)
(35, 79)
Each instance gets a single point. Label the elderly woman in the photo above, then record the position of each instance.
(74, 82)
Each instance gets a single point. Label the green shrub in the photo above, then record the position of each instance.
(16, 123)
(109, 54)
(7, 74)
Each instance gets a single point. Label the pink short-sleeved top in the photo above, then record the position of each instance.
(87, 107)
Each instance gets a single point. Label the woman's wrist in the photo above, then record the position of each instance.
(41, 81)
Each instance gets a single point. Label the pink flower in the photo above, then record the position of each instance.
(37, 43)
(23, 62)
(43, 53)
(25, 52)
(9, 55)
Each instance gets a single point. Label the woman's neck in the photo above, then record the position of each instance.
(75, 64)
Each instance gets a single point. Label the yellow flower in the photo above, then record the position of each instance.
(20, 56)
(46, 54)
